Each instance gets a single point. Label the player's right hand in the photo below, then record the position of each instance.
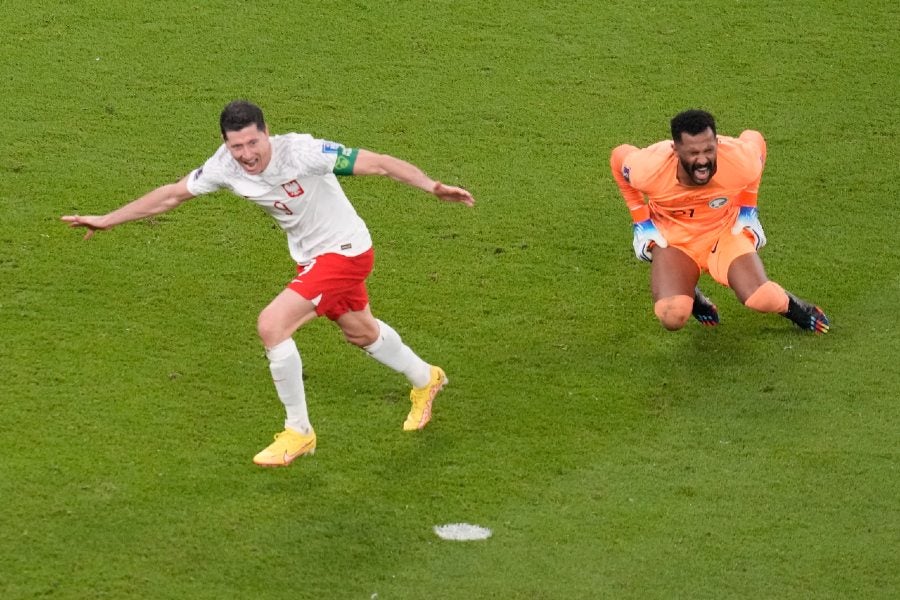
(451, 193)
(646, 236)
(92, 224)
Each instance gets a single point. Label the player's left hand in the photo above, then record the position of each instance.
(450, 193)
(748, 219)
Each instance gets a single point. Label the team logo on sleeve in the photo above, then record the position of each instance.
(292, 188)
(718, 202)
(626, 173)
(198, 173)
(331, 148)
(342, 163)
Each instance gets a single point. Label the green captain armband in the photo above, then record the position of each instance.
(346, 158)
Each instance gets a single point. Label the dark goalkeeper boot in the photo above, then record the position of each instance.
(704, 310)
(805, 315)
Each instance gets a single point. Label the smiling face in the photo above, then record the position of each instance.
(250, 147)
(696, 157)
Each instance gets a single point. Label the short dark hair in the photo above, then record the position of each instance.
(692, 122)
(239, 114)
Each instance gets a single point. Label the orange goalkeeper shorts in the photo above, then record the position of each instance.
(715, 254)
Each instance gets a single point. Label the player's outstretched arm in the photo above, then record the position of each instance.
(371, 163)
(160, 200)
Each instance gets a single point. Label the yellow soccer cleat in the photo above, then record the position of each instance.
(422, 398)
(288, 445)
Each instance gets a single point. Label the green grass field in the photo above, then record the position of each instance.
(610, 458)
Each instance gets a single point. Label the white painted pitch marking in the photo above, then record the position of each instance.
(462, 532)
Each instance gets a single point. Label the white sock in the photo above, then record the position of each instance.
(287, 373)
(390, 350)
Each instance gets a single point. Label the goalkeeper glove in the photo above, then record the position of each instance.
(646, 235)
(748, 218)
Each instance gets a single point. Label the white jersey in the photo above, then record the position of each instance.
(299, 189)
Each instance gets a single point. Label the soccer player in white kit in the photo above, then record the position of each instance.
(293, 177)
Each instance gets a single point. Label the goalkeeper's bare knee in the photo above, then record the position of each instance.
(674, 311)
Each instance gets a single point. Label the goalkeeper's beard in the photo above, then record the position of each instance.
(691, 168)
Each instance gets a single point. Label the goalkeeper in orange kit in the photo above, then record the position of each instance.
(700, 215)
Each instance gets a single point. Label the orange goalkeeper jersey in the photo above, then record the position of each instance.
(681, 212)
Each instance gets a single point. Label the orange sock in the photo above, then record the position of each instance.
(768, 298)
